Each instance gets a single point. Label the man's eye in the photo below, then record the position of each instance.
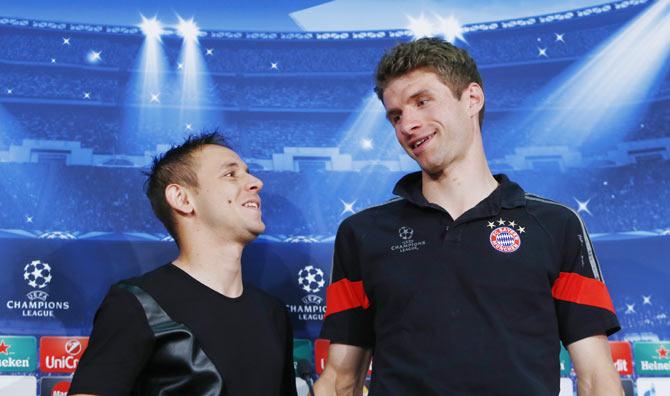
(422, 102)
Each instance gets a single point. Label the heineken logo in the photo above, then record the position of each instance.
(4, 348)
(18, 354)
(652, 358)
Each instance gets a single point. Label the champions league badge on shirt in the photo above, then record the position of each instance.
(504, 237)
(407, 244)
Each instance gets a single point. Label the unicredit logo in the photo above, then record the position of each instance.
(73, 347)
(68, 364)
(61, 354)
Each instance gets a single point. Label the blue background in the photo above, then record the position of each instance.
(571, 119)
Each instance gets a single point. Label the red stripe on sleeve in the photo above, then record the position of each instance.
(345, 294)
(582, 290)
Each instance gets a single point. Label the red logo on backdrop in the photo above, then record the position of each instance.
(321, 355)
(73, 347)
(61, 389)
(622, 357)
(61, 354)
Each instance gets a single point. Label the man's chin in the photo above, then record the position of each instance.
(426, 165)
(430, 168)
(257, 229)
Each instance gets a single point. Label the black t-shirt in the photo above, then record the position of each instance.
(468, 306)
(248, 339)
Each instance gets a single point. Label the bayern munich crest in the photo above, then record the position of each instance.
(505, 238)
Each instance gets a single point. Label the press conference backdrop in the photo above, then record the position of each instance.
(576, 110)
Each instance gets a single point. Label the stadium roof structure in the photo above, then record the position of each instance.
(567, 15)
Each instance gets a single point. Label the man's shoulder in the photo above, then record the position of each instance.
(157, 275)
(387, 208)
(549, 210)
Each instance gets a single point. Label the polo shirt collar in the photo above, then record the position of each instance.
(507, 195)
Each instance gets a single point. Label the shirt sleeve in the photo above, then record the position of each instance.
(120, 344)
(583, 303)
(348, 319)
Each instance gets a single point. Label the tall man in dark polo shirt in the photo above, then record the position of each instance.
(465, 284)
(216, 335)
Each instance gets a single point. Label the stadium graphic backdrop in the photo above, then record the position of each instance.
(84, 107)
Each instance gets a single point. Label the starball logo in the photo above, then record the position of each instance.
(407, 243)
(38, 275)
(311, 280)
(61, 354)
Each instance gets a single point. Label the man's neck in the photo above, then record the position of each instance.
(460, 187)
(217, 265)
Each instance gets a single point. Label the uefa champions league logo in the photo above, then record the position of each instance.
(37, 273)
(405, 233)
(38, 276)
(311, 279)
(407, 244)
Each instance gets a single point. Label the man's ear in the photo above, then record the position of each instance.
(179, 199)
(475, 98)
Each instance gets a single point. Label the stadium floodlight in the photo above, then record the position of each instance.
(94, 57)
(420, 27)
(367, 144)
(151, 28)
(604, 94)
(188, 29)
(196, 85)
(450, 28)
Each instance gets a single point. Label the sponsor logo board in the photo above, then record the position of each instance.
(652, 358)
(567, 388)
(653, 386)
(61, 354)
(622, 357)
(18, 353)
(321, 355)
(18, 385)
(566, 364)
(55, 386)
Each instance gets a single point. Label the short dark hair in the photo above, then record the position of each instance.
(176, 166)
(453, 65)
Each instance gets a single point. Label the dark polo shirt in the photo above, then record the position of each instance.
(472, 306)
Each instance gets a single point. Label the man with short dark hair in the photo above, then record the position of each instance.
(465, 284)
(193, 327)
